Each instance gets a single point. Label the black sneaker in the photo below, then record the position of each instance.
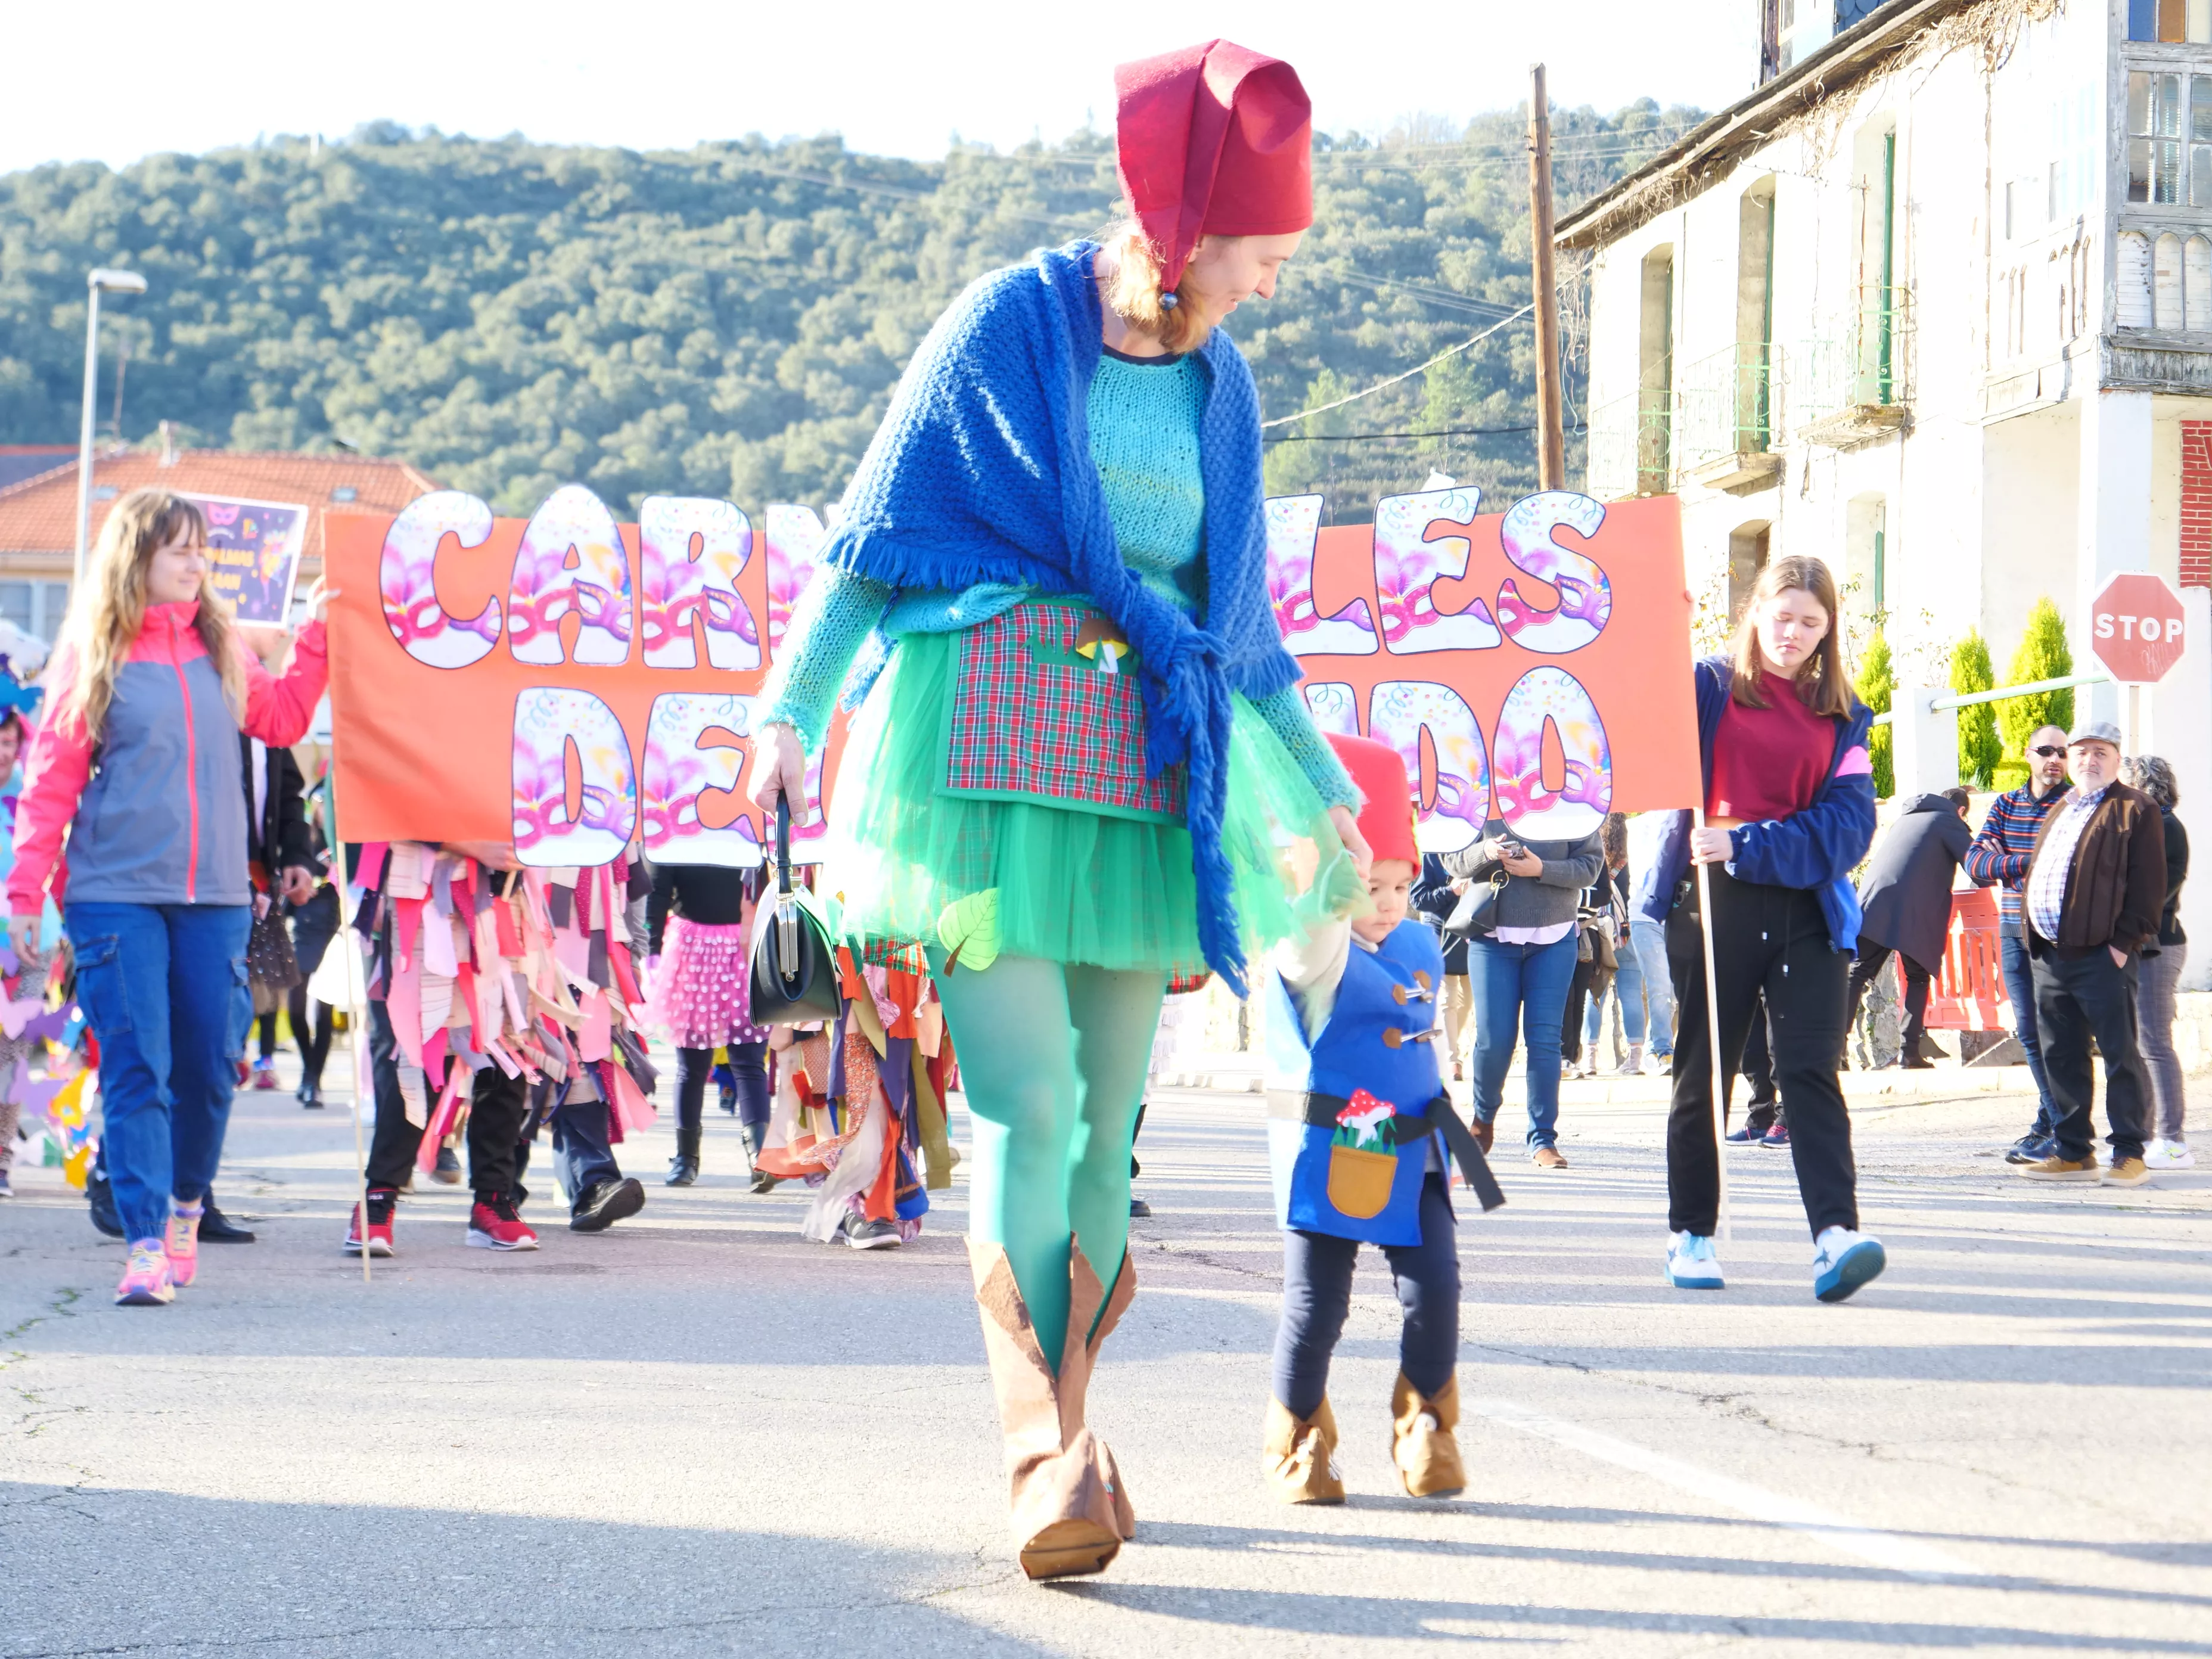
(2031, 1148)
(602, 1206)
(448, 1168)
(863, 1234)
(101, 1197)
(1138, 1210)
(309, 1094)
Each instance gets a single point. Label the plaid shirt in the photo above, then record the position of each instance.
(2046, 882)
(2000, 852)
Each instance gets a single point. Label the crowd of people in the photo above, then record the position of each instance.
(1081, 775)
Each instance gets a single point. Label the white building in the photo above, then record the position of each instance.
(1934, 303)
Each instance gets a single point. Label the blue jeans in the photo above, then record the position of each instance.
(164, 987)
(1523, 987)
(1650, 939)
(1628, 986)
(583, 1149)
(2020, 986)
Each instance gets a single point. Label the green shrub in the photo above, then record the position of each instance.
(2043, 655)
(1980, 751)
(1877, 682)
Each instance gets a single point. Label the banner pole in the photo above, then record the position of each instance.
(1713, 1033)
(364, 1085)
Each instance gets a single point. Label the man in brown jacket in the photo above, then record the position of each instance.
(2095, 885)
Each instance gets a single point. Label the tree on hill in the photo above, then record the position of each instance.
(1877, 683)
(2044, 654)
(1980, 751)
(730, 320)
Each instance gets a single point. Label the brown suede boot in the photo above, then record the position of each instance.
(1301, 1455)
(1069, 1512)
(1421, 1441)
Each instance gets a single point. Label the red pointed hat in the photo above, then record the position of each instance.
(1386, 816)
(1213, 138)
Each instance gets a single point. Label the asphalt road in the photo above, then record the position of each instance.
(700, 1434)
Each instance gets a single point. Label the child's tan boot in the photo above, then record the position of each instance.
(1301, 1455)
(1422, 1444)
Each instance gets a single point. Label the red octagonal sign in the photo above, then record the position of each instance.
(2135, 628)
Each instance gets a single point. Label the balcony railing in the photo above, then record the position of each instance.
(1631, 446)
(1726, 408)
(1857, 384)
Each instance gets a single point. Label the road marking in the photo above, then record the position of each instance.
(1885, 1549)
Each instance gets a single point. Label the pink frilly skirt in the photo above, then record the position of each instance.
(698, 998)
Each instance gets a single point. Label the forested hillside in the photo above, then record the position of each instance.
(728, 320)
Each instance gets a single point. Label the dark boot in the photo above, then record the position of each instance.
(216, 1228)
(756, 1136)
(684, 1168)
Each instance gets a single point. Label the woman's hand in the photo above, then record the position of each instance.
(779, 771)
(1520, 862)
(1347, 831)
(23, 939)
(318, 600)
(1710, 846)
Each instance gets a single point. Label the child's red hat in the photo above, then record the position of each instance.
(1387, 817)
(1212, 138)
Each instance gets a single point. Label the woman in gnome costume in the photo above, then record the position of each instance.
(1357, 1125)
(1080, 752)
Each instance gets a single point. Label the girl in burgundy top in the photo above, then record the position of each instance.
(1788, 813)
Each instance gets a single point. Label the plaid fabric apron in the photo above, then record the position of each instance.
(1047, 707)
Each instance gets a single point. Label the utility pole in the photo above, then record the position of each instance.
(1551, 437)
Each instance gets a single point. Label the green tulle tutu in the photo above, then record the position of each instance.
(1066, 884)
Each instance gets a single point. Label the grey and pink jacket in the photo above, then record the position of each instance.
(154, 812)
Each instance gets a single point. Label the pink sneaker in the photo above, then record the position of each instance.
(146, 1282)
(181, 1242)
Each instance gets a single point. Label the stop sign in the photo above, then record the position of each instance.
(2134, 628)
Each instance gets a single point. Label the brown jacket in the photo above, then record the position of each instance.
(2117, 887)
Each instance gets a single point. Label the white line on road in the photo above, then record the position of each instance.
(1884, 1549)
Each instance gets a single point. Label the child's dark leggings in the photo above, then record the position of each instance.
(1317, 1294)
(748, 1064)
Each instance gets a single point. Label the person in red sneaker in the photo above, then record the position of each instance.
(498, 1104)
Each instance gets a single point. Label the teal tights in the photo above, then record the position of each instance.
(1052, 1060)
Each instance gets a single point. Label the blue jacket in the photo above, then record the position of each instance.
(1818, 847)
(982, 472)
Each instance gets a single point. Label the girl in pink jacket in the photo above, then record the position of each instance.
(133, 817)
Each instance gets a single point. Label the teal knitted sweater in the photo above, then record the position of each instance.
(1144, 415)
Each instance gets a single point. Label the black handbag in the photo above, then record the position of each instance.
(1477, 909)
(792, 978)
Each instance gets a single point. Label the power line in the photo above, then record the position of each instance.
(1449, 351)
(1371, 437)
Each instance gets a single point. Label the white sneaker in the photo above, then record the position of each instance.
(1843, 1261)
(1691, 1263)
(2169, 1155)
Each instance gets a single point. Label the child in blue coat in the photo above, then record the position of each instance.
(1358, 1121)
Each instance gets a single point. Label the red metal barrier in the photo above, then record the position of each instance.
(1969, 993)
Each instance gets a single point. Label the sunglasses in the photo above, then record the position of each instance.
(2047, 751)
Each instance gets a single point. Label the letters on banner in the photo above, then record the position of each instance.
(575, 683)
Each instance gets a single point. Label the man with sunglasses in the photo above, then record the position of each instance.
(1999, 858)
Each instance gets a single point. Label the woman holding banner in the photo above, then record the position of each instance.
(1071, 777)
(152, 678)
(1788, 813)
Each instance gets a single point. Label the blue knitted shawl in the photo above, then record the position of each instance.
(982, 472)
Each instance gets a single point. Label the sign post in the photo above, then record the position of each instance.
(2137, 632)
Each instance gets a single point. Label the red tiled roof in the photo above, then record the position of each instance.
(38, 516)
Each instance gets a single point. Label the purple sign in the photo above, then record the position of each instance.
(254, 550)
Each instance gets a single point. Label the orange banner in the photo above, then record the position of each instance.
(571, 682)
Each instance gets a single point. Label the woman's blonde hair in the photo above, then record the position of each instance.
(109, 607)
(1823, 683)
(1136, 297)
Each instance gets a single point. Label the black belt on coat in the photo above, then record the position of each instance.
(1401, 1129)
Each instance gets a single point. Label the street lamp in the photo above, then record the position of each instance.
(96, 282)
